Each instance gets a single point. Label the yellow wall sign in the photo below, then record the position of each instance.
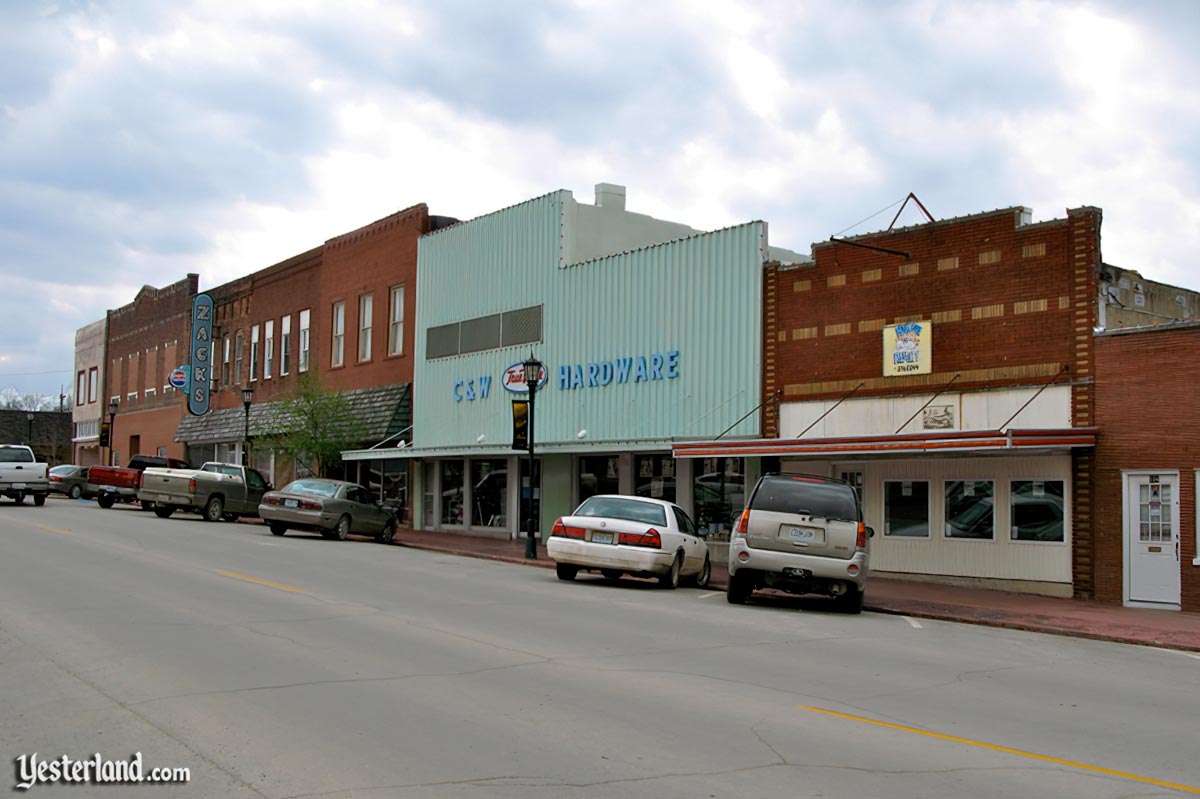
(908, 349)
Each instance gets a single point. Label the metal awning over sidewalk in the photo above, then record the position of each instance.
(966, 442)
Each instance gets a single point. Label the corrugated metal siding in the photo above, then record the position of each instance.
(700, 295)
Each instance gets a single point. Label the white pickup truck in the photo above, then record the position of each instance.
(21, 475)
(216, 491)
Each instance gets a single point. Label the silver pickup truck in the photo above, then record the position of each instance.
(21, 474)
(216, 491)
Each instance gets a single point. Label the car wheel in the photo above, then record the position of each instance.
(566, 571)
(39, 499)
(105, 501)
(670, 580)
(277, 528)
(214, 509)
(611, 574)
(389, 532)
(75, 492)
(850, 602)
(738, 589)
(163, 511)
(342, 530)
(701, 579)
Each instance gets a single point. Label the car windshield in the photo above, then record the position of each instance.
(806, 495)
(316, 488)
(622, 508)
(15, 455)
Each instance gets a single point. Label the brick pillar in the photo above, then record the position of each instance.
(770, 334)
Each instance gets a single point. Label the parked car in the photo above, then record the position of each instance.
(22, 475)
(114, 484)
(71, 480)
(333, 508)
(216, 491)
(616, 535)
(803, 535)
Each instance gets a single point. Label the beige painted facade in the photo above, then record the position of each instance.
(89, 403)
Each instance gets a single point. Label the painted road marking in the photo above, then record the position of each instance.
(55, 530)
(914, 622)
(1009, 751)
(260, 582)
(706, 596)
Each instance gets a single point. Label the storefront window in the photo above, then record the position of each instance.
(599, 474)
(906, 508)
(452, 492)
(489, 481)
(970, 509)
(1037, 510)
(655, 476)
(719, 490)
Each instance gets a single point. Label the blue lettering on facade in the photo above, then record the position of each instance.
(623, 365)
(672, 364)
(656, 362)
(485, 385)
(471, 390)
(606, 373)
(577, 376)
(458, 392)
(593, 370)
(639, 371)
(564, 378)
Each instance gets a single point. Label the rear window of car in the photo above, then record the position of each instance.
(620, 508)
(316, 488)
(808, 496)
(62, 470)
(15, 455)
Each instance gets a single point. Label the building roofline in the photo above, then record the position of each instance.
(505, 209)
(348, 237)
(1165, 327)
(695, 235)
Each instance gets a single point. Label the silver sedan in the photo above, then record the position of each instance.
(333, 508)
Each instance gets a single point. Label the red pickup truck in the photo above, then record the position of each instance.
(114, 484)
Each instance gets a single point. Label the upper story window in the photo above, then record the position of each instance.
(80, 387)
(239, 346)
(285, 344)
(365, 307)
(225, 361)
(268, 348)
(522, 326)
(396, 321)
(93, 383)
(254, 353)
(305, 316)
(338, 342)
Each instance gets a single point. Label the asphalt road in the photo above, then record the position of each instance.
(296, 666)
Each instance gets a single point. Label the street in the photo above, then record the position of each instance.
(298, 666)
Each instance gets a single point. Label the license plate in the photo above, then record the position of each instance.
(291, 503)
(18, 486)
(164, 497)
(602, 538)
(801, 533)
(797, 574)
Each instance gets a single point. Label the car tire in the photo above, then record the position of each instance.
(39, 499)
(566, 571)
(277, 528)
(342, 529)
(389, 533)
(670, 580)
(850, 602)
(701, 579)
(106, 501)
(611, 574)
(214, 509)
(163, 511)
(75, 492)
(738, 588)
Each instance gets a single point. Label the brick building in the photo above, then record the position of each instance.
(146, 340)
(1147, 473)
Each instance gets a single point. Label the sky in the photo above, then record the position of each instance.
(142, 140)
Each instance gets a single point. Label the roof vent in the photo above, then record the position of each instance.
(610, 195)
(1024, 217)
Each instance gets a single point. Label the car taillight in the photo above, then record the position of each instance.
(270, 500)
(559, 528)
(54, 478)
(192, 486)
(650, 538)
(141, 476)
(743, 523)
(308, 504)
(861, 541)
(565, 531)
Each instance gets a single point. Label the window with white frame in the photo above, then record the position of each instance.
(80, 387)
(305, 316)
(285, 344)
(906, 508)
(268, 348)
(365, 307)
(1037, 510)
(970, 509)
(396, 321)
(239, 346)
(225, 361)
(338, 342)
(254, 331)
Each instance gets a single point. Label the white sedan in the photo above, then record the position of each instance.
(616, 535)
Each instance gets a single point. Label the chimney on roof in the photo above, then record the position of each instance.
(610, 195)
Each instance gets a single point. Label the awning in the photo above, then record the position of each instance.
(383, 411)
(503, 450)
(928, 443)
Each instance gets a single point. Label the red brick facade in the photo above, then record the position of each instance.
(1146, 405)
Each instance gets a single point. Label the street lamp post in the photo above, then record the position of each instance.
(113, 404)
(247, 398)
(533, 374)
(29, 419)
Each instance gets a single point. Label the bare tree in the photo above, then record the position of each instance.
(13, 400)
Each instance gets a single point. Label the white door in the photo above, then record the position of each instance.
(1152, 529)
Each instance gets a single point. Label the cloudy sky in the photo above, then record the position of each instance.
(142, 140)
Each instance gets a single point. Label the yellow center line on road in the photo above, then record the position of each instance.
(260, 582)
(54, 530)
(1009, 751)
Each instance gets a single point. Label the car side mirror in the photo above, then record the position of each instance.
(870, 532)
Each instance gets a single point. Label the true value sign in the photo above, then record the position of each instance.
(199, 381)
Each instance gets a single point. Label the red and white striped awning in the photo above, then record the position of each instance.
(927, 443)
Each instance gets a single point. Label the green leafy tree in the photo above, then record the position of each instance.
(314, 425)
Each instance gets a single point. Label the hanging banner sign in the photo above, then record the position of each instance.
(200, 381)
(520, 424)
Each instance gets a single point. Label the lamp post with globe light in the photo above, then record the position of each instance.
(533, 375)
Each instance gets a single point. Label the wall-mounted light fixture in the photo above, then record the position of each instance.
(582, 434)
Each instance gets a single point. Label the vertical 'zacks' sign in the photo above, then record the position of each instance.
(200, 380)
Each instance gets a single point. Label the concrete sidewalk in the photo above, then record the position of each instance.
(1163, 628)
